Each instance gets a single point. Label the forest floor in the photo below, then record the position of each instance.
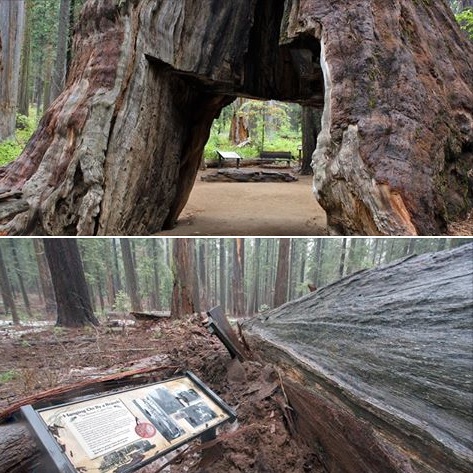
(262, 209)
(251, 209)
(258, 442)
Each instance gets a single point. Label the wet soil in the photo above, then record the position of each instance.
(260, 441)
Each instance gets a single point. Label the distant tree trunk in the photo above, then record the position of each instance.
(5, 287)
(203, 270)
(341, 266)
(254, 300)
(303, 257)
(282, 274)
(156, 299)
(222, 275)
(183, 291)
(239, 131)
(12, 16)
(109, 273)
(60, 66)
(237, 279)
(23, 94)
(19, 276)
(130, 276)
(116, 267)
(74, 308)
(45, 279)
(311, 125)
(352, 263)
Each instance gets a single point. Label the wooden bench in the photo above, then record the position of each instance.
(223, 155)
(274, 156)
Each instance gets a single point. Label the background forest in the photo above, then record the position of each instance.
(37, 64)
(244, 276)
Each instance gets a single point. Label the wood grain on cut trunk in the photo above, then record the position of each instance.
(378, 365)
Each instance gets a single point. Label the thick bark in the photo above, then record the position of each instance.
(74, 308)
(377, 365)
(18, 450)
(12, 17)
(118, 151)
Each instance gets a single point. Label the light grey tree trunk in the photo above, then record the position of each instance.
(60, 66)
(12, 18)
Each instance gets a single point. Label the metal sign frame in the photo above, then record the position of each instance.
(65, 431)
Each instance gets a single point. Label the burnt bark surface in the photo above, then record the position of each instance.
(118, 151)
(378, 364)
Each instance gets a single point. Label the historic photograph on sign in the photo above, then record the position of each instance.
(120, 432)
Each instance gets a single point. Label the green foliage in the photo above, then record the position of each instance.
(273, 126)
(122, 302)
(465, 19)
(6, 376)
(12, 148)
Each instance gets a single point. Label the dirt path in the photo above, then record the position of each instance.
(251, 209)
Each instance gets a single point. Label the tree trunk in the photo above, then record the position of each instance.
(5, 287)
(23, 93)
(130, 276)
(18, 450)
(12, 17)
(392, 158)
(74, 308)
(45, 279)
(311, 121)
(222, 275)
(239, 131)
(237, 277)
(183, 302)
(19, 276)
(282, 275)
(60, 66)
(369, 387)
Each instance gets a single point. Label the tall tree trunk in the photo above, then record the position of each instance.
(116, 267)
(253, 305)
(109, 272)
(5, 287)
(130, 276)
(237, 278)
(156, 279)
(239, 131)
(282, 275)
(24, 94)
(63, 38)
(203, 270)
(183, 292)
(45, 279)
(74, 308)
(12, 18)
(19, 276)
(311, 126)
(222, 275)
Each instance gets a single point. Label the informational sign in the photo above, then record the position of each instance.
(121, 432)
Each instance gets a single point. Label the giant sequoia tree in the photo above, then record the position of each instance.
(118, 151)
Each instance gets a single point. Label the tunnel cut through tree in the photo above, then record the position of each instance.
(119, 149)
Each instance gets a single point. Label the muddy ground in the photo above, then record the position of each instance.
(260, 441)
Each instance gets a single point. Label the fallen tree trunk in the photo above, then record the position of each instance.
(118, 152)
(377, 366)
